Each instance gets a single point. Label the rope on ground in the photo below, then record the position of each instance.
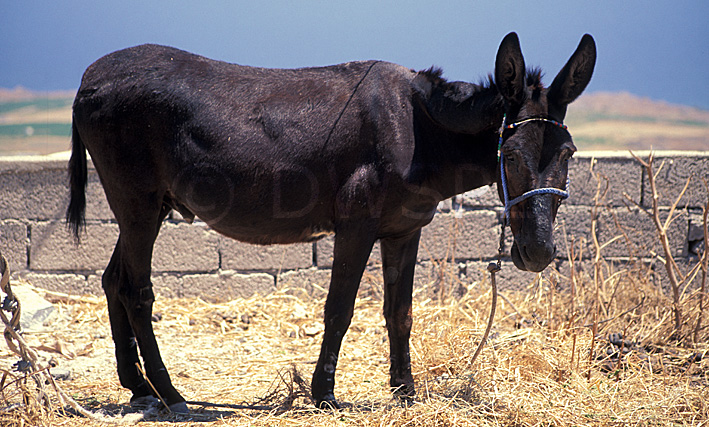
(492, 268)
(29, 363)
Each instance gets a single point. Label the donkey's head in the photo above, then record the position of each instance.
(535, 146)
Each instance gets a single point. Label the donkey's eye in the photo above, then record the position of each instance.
(567, 152)
(566, 155)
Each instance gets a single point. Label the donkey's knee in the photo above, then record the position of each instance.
(144, 297)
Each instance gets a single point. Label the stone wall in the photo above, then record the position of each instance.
(191, 259)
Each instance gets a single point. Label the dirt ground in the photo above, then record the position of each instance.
(249, 362)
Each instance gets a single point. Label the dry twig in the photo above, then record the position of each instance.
(662, 228)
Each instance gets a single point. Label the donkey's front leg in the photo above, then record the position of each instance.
(353, 244)
(398, 263)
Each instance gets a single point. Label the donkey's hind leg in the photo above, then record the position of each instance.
(129, 292)
(123, 336)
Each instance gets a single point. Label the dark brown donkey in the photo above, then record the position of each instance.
(364, 150)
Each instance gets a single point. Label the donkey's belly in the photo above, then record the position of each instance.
(269, 230)
(255, 209)
(266, 236)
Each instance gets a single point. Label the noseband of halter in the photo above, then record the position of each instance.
(503, 176)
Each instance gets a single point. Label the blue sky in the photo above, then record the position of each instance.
(658, 49)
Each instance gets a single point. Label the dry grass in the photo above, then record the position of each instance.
(249, 361)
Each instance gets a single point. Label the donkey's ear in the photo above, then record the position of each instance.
(574, 77)
(510, 70)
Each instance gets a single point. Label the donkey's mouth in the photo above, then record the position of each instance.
(523, 261)
(517, 257)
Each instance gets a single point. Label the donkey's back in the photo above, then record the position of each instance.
(259, 154)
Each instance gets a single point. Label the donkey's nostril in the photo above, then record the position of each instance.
(537, 257)
(524, 253)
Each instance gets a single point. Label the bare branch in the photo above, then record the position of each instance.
(670, 266)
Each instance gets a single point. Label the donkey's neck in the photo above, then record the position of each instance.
(458, 135)
(465, 108)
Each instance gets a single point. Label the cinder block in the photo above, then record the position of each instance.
(509, 278)
(96, 204)
(674, 171)
(13, 244)
(475, 235)
(686, 267)
(622, 173)
(584, 272)
(246, 285)
(94, 281)
(426, 275)
(73, 284)
(485, 196)
(324, 251)
(33, 194)
(209, 287)
(42, 193)
(167, 285)
(316, 282)
(313, 281)
(186, 247)
(572, 231)
(52, 247)
(637, 236)
(226, 285)
(242, 256)
(633, 230)
(439, 279)
(651, 272)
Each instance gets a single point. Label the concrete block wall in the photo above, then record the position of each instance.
(192, 260)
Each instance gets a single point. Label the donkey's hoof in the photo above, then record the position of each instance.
(179, 408)
(143, 402)
(403, 400)
(404, 391)
(328, 402)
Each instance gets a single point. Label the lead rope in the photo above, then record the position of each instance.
(12, 305)
(492, 268)
(29, 364)
(495, 267)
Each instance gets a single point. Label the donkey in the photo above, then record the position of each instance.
(364, 150)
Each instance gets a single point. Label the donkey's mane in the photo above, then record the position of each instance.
(434, 75)
(534, 78)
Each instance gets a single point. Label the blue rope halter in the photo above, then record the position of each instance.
(503, 176)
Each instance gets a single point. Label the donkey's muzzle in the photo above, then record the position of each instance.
(534, 247)
(532, 258)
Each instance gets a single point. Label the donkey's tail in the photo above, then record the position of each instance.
(77, 184)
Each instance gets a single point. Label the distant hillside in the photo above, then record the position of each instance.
(40, 123)
(34, 122)
(20, 93)
(613, 121)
